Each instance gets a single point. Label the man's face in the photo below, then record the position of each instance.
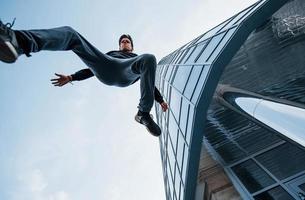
(125, 45)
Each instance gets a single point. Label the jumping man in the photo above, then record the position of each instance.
(119, 68)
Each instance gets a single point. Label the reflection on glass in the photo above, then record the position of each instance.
(180, 149)
(173, 130)
(181, 77)
(189, 125)
(200, 83)
(184, 116)
(192, 81)
(283, 161)
(194, 55)
(175, 103)
(210, 47)
(186, 54)
(252, 176)
(277, 193)
(285, 119)
(221, 45)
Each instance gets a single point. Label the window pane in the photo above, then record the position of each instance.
(284, 161)
(213, 31)
(196, 52)
(180, 149)
(200, 83)
(210, 47)
(173, 130)
(181, 77)
(277, 193)
(252, 176)
(187, 54)
(192, 81)
(184, 116)
(175, 103)
(189, 125)
(185, 164)
(221, 45)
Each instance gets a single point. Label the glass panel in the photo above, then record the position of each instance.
(181, 191)
(200, 83)
(236, 18)
(187, 54)
(180, 149)
(283, 161)
(213, 31)
(196, 52)
(252, 176)
(177, 183)
(177, 57)
(192, 81)
(230, 152)
(277, 193)
(175, 103)
(210, 47)
(169, 72)
(171, 157)
(253, 8)
(173, 130)
(184, 116)
(185, 164)
(182, 75)
(189, 125)
(221, 45)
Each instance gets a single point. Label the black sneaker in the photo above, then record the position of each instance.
(146, 120)
(8, 43)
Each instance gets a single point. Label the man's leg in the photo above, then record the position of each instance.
(146, 65)
(56, 39)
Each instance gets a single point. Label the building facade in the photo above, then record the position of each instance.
(235, 128)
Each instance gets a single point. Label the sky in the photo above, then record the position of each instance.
(81, 141)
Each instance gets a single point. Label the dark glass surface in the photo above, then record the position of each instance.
(277, 193)
(192, 81)
(283, 161)
(302, 187)
(196, 52)
(230, 152)
(181, 77)
(210, 47)
(252, 176)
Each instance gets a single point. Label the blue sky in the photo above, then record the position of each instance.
(81, 141)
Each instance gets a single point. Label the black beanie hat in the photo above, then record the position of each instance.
(126, 36)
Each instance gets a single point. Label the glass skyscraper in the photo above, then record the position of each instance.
(237, 93)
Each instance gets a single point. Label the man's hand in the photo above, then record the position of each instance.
(164, 106)
(62, 80)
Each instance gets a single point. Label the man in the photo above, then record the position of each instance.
(120, 68)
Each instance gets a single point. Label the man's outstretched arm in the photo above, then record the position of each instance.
(78, 76)
(159, 99)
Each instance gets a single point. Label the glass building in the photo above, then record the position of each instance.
(235, 128)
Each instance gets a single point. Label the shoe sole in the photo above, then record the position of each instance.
(8, 53)
(138, 120)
